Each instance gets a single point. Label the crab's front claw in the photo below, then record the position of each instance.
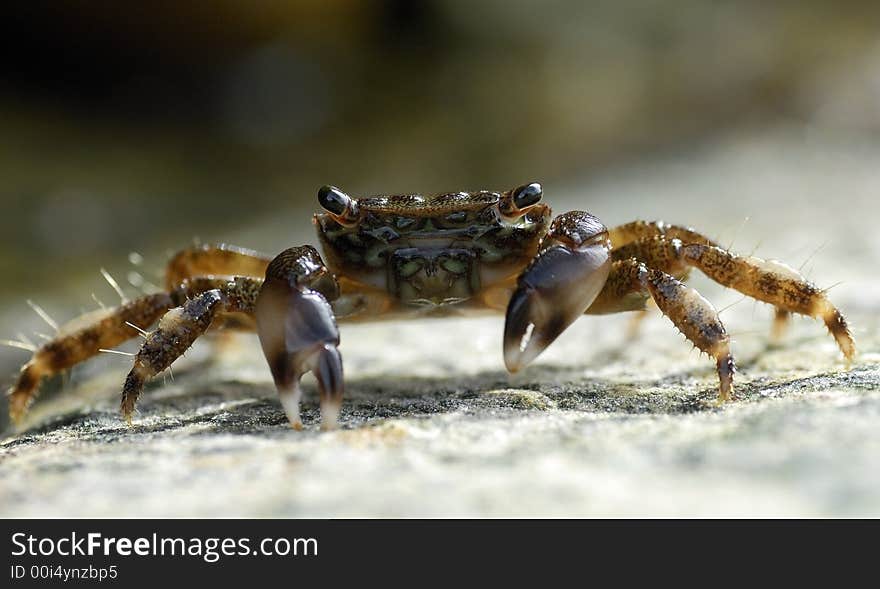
(556, 288)
(298, 334)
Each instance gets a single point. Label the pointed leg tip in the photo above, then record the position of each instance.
(16, 412)
(330, 415)
(126, 410)
(726, 370)
(849, 355)
(725, 394)
(22, 394)
(290, 403)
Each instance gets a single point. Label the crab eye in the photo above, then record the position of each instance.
(333, 200)
(526, 196)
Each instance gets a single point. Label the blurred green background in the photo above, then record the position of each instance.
(139, 128)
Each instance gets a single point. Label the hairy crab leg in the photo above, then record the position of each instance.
(85, 337)
(189, 272)
(692, 314)
(80, 340)
(214, 260)
(636, 230)
(298, 331)
(768, 281)
(623, 235)
(179, 328)
(781, 319)
(639, 239)
(775, 283)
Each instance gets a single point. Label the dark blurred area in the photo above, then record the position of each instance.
(138, 126)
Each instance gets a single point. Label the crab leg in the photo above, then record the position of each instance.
(80, 340)
(692, 314)
(298, 331)
(765, 280)
(637, 230)
(781, 319)
(557, 287)
(214, 260)
(637, 240)
(180, 327)
(189, 272)
(772, 282)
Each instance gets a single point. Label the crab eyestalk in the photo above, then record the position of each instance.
(518, 201)
(557, 287)
(342, 207)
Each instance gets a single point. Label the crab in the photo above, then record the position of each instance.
(409, 256)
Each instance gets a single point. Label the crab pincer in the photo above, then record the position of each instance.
(557, 287)
(298, 332)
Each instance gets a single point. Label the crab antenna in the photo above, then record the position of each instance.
(114, 285)
(43, 315)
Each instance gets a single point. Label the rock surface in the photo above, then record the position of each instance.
(600, 425)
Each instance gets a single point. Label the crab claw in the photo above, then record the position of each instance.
(298, 334)
(556, 288)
